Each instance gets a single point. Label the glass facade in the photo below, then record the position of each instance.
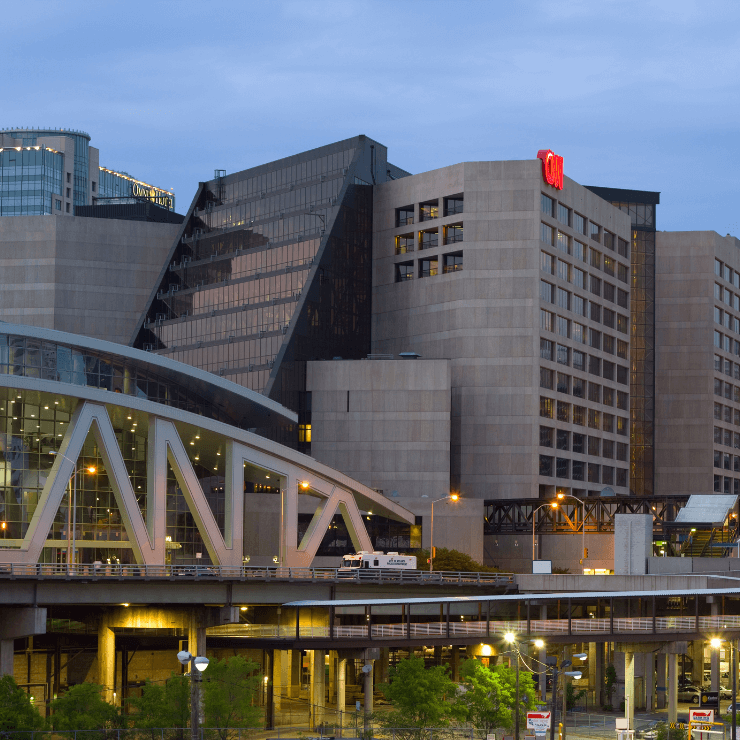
(112, 184)
(29, 178)
(273, 269)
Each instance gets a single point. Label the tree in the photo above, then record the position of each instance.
(610, 683)
(488, 695)
(572, 696)
(453, 560)
(83, 708)
(421, 697)
(17, 713)
(163, 705)
(229, 689)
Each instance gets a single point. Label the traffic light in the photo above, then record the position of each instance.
(585, 553)
(434, 552)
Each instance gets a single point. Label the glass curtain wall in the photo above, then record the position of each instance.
(28, 180)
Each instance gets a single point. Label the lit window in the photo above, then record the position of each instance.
(304, 433)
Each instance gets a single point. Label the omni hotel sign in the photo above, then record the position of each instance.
(160, 197)
(552, 168)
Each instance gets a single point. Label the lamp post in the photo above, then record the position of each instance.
(552, 505)
(451, 497)
(72, 509)
(583, 521)
(557, 669)
(510, 637)
(197, 667)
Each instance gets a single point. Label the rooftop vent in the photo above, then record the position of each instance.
(409, 355)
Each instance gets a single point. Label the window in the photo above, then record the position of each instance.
(595, 339)
(737, 417)
(608, 292)
(623, 376)
(579, 278)
(623, 248)
(563, 440)
(717, 363)
(607, 449)
(562, 468)
(429, 210)
(92, 184)
(609, 318)
(547, 235)
(579, 223)
(623, 298)
(58, 204)
(607, 370)
(563, 411)
(404, 271)
(452, 262)
(623, 400)
(547, 204)
(622, 426)
(594, 419)
(546, 349)
(607, 423)
(69, 192)
(547, 320)
(594, 446)
(718, 339)
(594, 231)
(453, 233)
(564, 271)
(546, 465)
(579, 333)
(546, 292)
(69, 177)
(595, 258)
(405, 243)
(546, 408)
(718, 411)
(622, 451)
(562, 355)
(717, 459)
(622, 323)
(623, 273)
(546, 378)
(608, 240)
(579, 360)
(728, 414)
(577, 469)
(622, 349)
(579, 305)
(727, 438)
(718, 435)
(547, 263)
(563, 214)
(579, 387)
(718, 291)
(404, 216)
(594, 365)
(728, 391)
(717, 387)
(563, 242)
(563, 299)
(304, 433)
(428, 267)
(607, 475)
(594, 312)
(454, 205)
(718, 484)
(595, 285)
(563, 383)
(580, 251)
(579, 416)
(593, 472)
(428, 238)
(608, 265)
(594, 392)
(563, 327)
(67, 208)
(609, 344)
(579, 443)
(546, 434)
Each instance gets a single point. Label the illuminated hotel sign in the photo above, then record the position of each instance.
(161, 198)
(552, 168)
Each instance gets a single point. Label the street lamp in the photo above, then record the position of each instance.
(510, 637)
(561, 496)
(72, 508)
(451, 497)
(552, 505)
(200, 663)
(557, 669)
(716, 643)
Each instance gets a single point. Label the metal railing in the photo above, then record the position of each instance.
(228, 572)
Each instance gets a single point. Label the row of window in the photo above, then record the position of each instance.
(429, 267)
(561, 354)
(429, 210)
(562, 467)
(581, 279)
(429, 238)
(727, 414)
(556, 238)
(728, 367)
(581, 416)
(594, 446)
(727, 273)
(569, 217)
(580, 332)
(726, 437)
(578, 387)
(727, 297)
(726, 319)
(726, 461)
(726, 485)
(726, 390)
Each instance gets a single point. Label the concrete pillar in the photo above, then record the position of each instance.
(106, 658)
(672, 687)
(437, 655)
(341, 691)
(661, 683)
(368, 691)
(629, 688)
(697, 665)
(383, 665)
(6, 657)
(317, 691)
(649, 673)
(455, 663)
(294, 679)
(277, 682)
(332, 674)
(196, 633)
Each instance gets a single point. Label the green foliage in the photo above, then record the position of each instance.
(664, 733)
(421, 697)
(83, 708)
(453, 560)
(162, 705)
(488, 695)
(560, 571)
(16, 710)
(572, 697)
(610, 682)
(229, 688)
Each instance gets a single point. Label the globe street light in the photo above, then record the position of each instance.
(451, 497)
(200, 663)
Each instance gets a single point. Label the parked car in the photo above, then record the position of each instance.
(728, 709)
(650, 730)
(690, 694)
(724, 692)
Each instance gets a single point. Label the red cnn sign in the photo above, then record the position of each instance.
(552, 168)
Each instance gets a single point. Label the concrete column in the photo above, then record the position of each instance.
(332, 674)
(368, 691)
(697, 665)
(661, 695)
(383, 665)
(277, 680)
(294, 673)
(106, 658)
(672, 687)
(649, 673)
(629, 688)
(317, 691)
(6, 657)
(341, 688)
(196, 633)
(455, 663)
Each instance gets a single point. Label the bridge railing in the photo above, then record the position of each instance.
(228, 572)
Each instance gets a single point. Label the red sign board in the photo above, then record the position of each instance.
(552, 168)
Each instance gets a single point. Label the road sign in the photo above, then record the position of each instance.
(710, 699)
(701, 715)
(539, 721)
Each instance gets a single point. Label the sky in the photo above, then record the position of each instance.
(639, 94)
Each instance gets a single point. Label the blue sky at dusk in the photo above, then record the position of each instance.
(632, 94)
